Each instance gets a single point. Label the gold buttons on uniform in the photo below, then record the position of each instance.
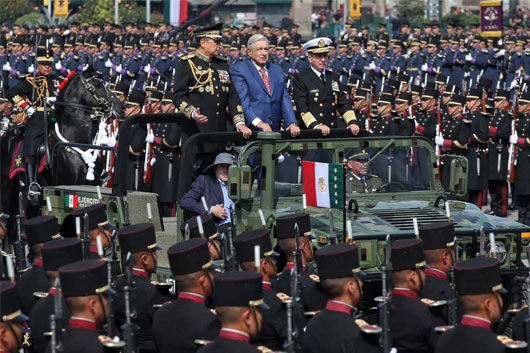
(321, 104)
(321, 114)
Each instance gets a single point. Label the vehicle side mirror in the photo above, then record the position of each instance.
(239, 182)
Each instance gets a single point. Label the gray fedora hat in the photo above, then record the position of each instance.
(221, 158)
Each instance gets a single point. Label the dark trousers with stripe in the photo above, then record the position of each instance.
(499, 197)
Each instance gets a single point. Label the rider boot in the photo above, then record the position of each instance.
(34, 187)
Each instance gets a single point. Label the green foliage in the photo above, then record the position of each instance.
(32, 19)
(413, 10)
(10, 10)
(460, 19)
(101, 11)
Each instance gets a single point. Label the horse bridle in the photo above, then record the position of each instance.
(104, 105)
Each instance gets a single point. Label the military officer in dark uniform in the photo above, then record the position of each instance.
(521, 140)
(479, 287)
(140, 241)
(411, 325)
(317, 94)
(273, 329)
(29, 97)
(358, 179)
(190, 230)
(55, 254)
(165, 139)
(361, 108)
(455, 135)
(176, 326)
(135, 167)
(312, 299)
(98, 226)
(476, 148)
(499, 134)
(85, 289)
(39, 230)
(11, 319)
(338, 268)
(240, 314)
(426, 118)
(203, 89)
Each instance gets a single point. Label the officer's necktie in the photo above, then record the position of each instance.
(265, 78)
(323, 78)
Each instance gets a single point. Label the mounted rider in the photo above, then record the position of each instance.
(29, 96)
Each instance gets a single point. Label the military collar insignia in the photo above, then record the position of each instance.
(202, 56)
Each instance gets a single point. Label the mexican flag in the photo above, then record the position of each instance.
(71, 201)
(323, 184)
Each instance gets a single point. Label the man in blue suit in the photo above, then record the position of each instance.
(262, 89)
(212, 185)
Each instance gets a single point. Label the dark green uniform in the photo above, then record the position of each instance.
(369, 183)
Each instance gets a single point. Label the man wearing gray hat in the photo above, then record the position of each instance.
(358, 179)
(213, 186)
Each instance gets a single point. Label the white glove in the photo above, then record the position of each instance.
(468, 57)
(150, 137)
(6, 67)
(502, 52)
(372, 66)
(31, 69)
(30, 111)
(416, 123)
(58, 65)
(153, 161)
(118, 68)
(513, 84)
(499, 42)
(85, 67)
(439, 140)
(111, 141)
(147, 68)
(51, 100)
(108, 63)
(424, 67)
(513, 139)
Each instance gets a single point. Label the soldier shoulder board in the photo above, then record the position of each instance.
(187, 57)
(213, 312)
(441, 329)
(315, 278)
(200, 342)
(372, 176)
(221, 57)
(110, 342)
(367, 328)
(40, 295)
(283, 297)
(433, 303)
(264, 349)
(510, 343)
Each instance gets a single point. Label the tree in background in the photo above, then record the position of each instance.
(10, 10)
(411, 10)
(101, 11)
(460, 19)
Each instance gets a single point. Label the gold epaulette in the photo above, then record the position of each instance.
(187, 57)
(433, 303)
(315, 278)
(442, 329)
(108, 342)
(510, 343)
(311, 313)
(367, 328)
(200, 342)
(40, 295)
(264, 349)
(283, 297)
(222, 58)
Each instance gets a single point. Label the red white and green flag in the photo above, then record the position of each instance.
(71, 201)
(323, 184)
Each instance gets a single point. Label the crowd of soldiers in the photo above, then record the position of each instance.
(466, 93)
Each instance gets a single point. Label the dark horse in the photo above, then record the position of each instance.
(82, 104)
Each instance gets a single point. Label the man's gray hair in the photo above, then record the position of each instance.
(256, 38)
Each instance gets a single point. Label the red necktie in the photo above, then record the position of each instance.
(265, 79)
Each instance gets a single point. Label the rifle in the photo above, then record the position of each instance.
(295, 308)
(149, 148)
(20, 243)
(384, 306)
(130, 313)
(230, 261)
(439, 133)
(55, 319)
(112, 265)
(452, 307)
(527, 318)
(86, 238)
(512, 151)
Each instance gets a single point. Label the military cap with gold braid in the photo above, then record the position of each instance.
(212, 32)
(360, 156)
(318, 45)
(524, 98)
(9, 305)
(138, 237)
(44, 55)
(41, 229)
(247, 285)
(84, 278)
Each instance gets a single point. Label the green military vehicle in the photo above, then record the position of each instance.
(268, 175)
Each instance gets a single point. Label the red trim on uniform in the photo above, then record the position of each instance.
(420, 129)
(157, 141)
(504, 189)
(53, 291)
(493, 130)
(37, 262)
(15, 170)
(267, 286)
(78, 323)
(404, 292)
(448, 143)
(479, 200)
(475, 321)
(93, 249)
(140, 273)
(520, 141)
(197, 298)
(232, 335)
(290, 265)
(339, 307)
(433, 272)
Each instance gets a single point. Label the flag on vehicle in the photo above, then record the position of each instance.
(323, 184)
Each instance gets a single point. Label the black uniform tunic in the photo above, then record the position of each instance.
(499, 131)
(33, 280)
(476, 152)
(230, 342)
(274, 321)
(176, 326)
(81, 336)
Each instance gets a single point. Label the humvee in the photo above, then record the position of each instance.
(267, 175)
